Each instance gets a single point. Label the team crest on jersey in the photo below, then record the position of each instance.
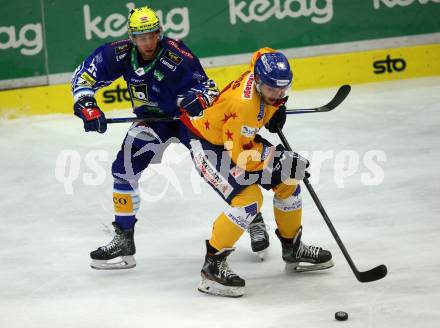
(248, 87)
(173, 57)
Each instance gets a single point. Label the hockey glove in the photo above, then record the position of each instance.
(93, 118)
(289, 165)
(198, 98)
(278, 119)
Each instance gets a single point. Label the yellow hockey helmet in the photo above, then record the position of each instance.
(142, 20)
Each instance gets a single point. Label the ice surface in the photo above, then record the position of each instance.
(48, 228)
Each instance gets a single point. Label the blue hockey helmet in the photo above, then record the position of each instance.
(273, 69)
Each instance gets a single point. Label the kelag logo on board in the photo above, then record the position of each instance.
(389, 65)
(29, 38)
(115, 24)
(261, 11)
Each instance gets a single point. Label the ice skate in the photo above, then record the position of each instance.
(118, 254)
(217, 278)
(301, 258)
(259, 236)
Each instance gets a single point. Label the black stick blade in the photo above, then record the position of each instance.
(374, 274)
(337, 99)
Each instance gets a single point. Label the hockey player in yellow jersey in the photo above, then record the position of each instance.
(235, 160)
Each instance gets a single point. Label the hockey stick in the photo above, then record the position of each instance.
(144, 119)
(339, 97)
(362, 276)
(341, 94)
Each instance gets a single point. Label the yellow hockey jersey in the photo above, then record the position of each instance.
(235, 118)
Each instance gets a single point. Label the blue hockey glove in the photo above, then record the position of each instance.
(193, 102)
(198, 98)
(278, 118)
(87, 109)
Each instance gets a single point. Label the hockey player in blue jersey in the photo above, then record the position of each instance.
(162, 76)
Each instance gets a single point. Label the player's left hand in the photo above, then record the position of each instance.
(289, 164)
(277, 120)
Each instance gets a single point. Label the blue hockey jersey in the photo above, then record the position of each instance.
(154, 87)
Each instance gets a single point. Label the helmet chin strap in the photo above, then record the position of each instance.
(258, 85)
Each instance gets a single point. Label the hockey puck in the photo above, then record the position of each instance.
(341, 316)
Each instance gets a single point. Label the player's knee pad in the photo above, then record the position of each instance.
(245, 206)
(242, 216)
(291, 203)
(125, 199)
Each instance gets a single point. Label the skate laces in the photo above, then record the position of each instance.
(115, 243)
(308, 251)
(257, 231)
(224, 270)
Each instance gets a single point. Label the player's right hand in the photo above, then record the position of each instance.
(193, 102)
(277, 120)
(87, 109)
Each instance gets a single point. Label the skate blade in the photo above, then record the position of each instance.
(299, 267)
(125, 262)
(214, 288)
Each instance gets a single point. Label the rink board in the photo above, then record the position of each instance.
(311, 72)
